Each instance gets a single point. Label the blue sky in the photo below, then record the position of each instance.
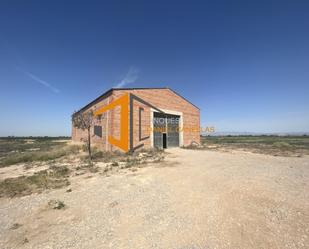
(244, 63)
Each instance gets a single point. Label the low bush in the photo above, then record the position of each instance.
(107, 156)
(281, 145)
(56, 204)
(55, 177)
(39, 155)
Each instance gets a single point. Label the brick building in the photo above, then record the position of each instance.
(132, 118)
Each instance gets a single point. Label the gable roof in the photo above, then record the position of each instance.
(110, 91)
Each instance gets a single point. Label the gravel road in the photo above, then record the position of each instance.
(195, 199)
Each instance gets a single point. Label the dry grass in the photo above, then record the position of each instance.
(20, 183)
(106, 156)
(53, 154)
(136, 157)
(272, 145)
(55, 177)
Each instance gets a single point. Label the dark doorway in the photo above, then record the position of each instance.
(166, 130)
(164, 141)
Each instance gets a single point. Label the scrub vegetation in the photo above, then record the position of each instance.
(272, 145)
(206, 199)
(32, 165)
(21, 150)
(55, 177)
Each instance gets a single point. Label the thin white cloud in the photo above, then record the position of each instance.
(19, 65)
(131, 77)
(42, 82)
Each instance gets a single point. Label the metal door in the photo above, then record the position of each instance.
(159, 127)
(168, 124)
(172, 130)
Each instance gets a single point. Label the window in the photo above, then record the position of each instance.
(99, 117)
(98, 130)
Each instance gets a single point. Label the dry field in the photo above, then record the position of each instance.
(288, 146)
(192, 199)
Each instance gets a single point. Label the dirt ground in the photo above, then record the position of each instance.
(194, 199)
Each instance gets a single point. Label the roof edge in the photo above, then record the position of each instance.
(183, 97)
(109, 92)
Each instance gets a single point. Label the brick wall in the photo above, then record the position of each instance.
(164, 99)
